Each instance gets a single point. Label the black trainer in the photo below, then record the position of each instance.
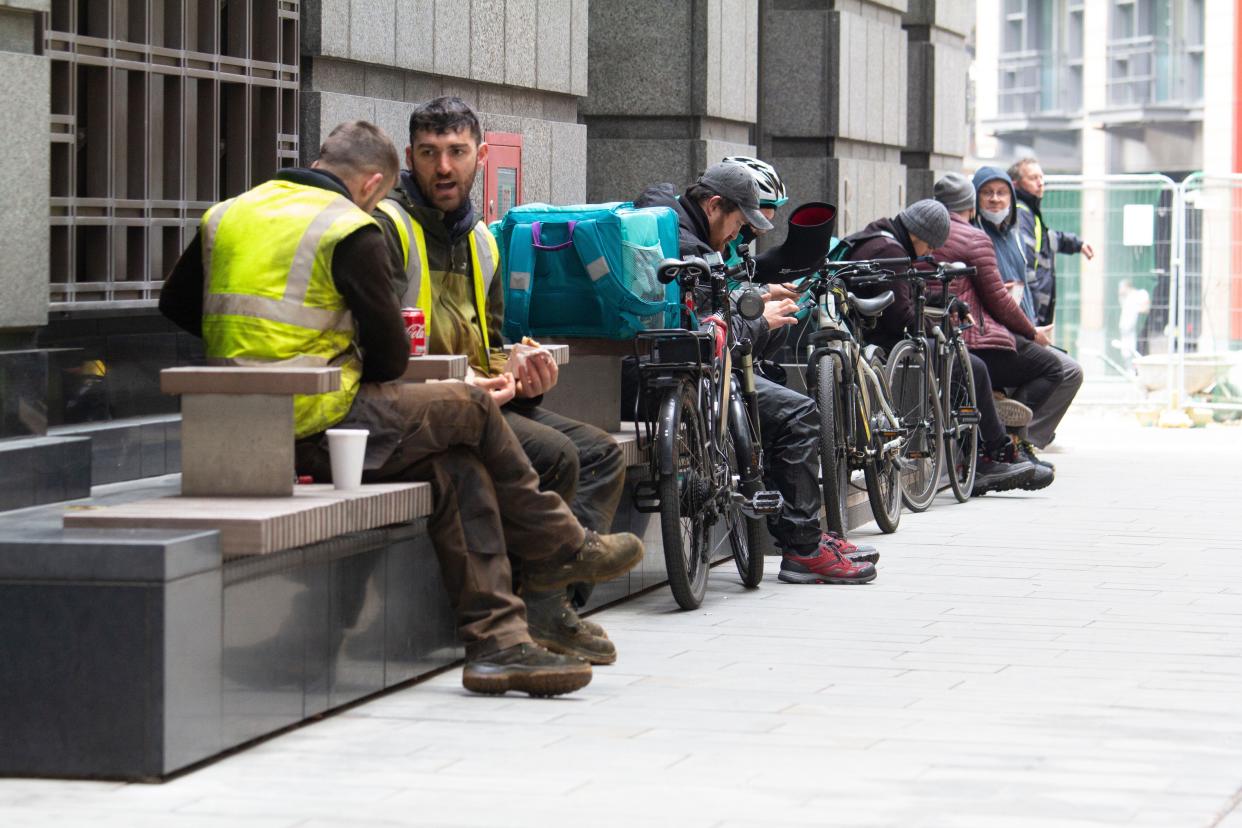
(1041, 479)
(994, 476)
(1027, 452)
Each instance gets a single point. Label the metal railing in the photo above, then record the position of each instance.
(1161, 303)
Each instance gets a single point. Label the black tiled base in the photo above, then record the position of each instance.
(133, 654)
(131, 449)
(43, 470)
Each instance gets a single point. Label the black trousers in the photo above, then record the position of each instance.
(789, 422)
(1032, 369)
(580, 462)
(991, 431)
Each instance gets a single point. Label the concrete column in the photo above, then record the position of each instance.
(832, 117)
(1095, 162)
(936, 110)
(25, 135)
(673, 88)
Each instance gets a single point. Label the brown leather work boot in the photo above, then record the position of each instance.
(554, 624)
(600, 558)
(526, 668)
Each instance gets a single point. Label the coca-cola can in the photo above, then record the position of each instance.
(416, 327)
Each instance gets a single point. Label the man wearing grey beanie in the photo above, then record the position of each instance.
(915, 231)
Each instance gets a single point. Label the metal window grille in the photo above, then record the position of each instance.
(160, 108)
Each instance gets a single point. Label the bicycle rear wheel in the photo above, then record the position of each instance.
(961, 447)
(882, 468)
(834, 467)
(916, 401)
(685, 491)
(745, 533)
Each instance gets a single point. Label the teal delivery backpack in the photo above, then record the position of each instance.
(587, 270)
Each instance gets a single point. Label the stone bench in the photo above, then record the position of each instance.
(435, 367)
(237, 426)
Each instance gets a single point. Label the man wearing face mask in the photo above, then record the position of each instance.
(999, 215)
(711, 213)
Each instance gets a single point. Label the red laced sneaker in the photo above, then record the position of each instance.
(869, 554)
(824, 566)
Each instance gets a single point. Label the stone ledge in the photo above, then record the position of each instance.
(262, 525)
(249, 380)
(435, 367)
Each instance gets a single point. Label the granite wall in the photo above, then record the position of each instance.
(25, 101)
(673, 88)
(521, 63)
(937, 130)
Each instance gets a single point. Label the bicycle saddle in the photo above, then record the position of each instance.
(873, 306)
(671, 269)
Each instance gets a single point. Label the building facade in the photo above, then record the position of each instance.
(126, 119)
(1109, 87)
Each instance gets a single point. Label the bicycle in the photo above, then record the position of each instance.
(858, 427)
(706, 461)
(915, 375)
(958, 401)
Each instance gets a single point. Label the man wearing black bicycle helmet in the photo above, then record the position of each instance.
(710, 213)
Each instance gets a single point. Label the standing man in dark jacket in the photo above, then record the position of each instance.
(296, 271)
(999, 214)
(451, 268)
(710, 213)
(1040, 243)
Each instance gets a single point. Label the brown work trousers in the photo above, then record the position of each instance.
(487, 500)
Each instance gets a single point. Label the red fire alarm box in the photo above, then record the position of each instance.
(502, 179)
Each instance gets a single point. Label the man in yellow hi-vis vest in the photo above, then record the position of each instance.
(296, 272)
(449, 268)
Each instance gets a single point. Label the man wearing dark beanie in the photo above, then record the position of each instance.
(915, 231)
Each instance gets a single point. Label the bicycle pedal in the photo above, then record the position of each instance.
(968, 416)
(646, 497)
(887, 434)
(767, 503)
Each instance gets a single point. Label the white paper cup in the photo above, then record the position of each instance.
(346, 448)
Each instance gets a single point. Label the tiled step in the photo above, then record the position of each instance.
(39, 470)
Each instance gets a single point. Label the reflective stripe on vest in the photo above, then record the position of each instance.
(1039, 228)
(417, 291)
(484, 259)
(269, 296)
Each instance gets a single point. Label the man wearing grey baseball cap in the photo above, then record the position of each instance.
(710, 212)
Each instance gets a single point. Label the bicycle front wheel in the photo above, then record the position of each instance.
(961, 446)
(916, 402)
(834, 466)
(882, 468)
(685, 487)
(745, 533)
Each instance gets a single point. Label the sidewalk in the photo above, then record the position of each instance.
(1068, 657)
